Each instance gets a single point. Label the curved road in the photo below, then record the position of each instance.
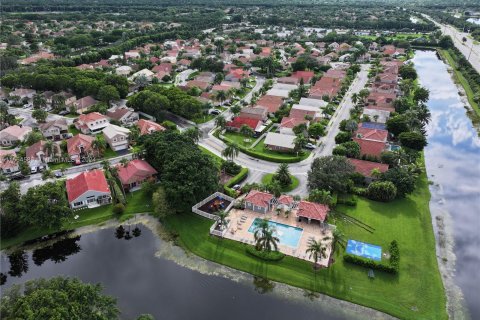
(260, 167)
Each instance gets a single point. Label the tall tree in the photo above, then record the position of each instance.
(330, 173)
(316, 250)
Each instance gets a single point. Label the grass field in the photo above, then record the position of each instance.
(266, 179)
(416, 293)
(137, 202)
(459, 78)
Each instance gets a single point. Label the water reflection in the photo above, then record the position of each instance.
(453, 163)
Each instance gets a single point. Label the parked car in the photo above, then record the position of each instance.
(33, 170)
(58, 174)
(215, 112)
(64, 112)
(310, 146)
(236, 187)
(16, 176)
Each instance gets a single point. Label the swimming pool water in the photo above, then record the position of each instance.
(364, 250)
(287, 235)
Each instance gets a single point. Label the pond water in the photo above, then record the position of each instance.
(146, 283)
(453, 164)
(474, 20)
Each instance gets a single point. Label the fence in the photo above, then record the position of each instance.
(195, 208)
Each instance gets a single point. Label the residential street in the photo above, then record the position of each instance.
(260, 167)
(26, 114)
(470, 50)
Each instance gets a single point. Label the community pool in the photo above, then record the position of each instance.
(393, 147)
(288, 235)
(364, 250)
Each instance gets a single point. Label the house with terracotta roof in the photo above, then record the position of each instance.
(203, 85)
(259, 201)
(366, 168)
(116, 137)
(13, 135)
(326, 86)
(135, 173)
(370, 147)
(165, 67)
(312, 211)
(236, 75)
(286, 202)
(271, 103)
(307, 76)
(8, 161)
(148, 127)
(239, 121)
(288, 123)
(288, 80)
(88, 189)
(91, 123)
(83, 104)
(371, 134)
(80, 146)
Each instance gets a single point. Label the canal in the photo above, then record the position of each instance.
(453, 165)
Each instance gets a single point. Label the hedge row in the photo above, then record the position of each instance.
(394, 255)
(264, 255)
(233, 181)
(368, 263)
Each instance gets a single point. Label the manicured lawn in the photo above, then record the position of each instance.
(73, 130)
(260, 147)
(109, 153)
(266, 179)
(59, 165)
(461, 79)
(204, 118)
(137, 202)
(239, 139)
(416, 293)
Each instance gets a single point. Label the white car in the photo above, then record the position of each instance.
(310, 146)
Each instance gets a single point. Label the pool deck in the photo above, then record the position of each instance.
(238, 231)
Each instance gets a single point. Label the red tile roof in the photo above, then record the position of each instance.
(305, 75)
(312, 210)
(259, 198)
(86, 181)
(135, 171)
(288, 122)
(365, 167)
(371, 134)
(5, 163)
(147, 126)
(166, 67)
(89, 117)
(238, 122)
(31, 152)
(285, 199)
(369, 147)
(271, 103)
(80, 139)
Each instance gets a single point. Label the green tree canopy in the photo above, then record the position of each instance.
(331, 173)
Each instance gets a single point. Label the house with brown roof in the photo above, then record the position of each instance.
(23, 93)
(135, 173)
(257, 113)
(82, 105)
(148, 127)
(307, 76)
(13, 135)
(236, 75)
(37, 156)
(91, 123)
(199, 84)
(126, 116)
(288, 123)
(55, 129)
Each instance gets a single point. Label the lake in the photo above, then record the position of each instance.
(453, 164)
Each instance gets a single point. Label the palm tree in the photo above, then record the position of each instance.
(338, 237)
(58, 101)
(99, 144)
(363, 94)
(376, 173)
(49, 148)
(265, 238)
(283, 175)
(316, 250)
(321, 196)
(221, 96)
(231, 151)
(222, 218)
(220, 121)
(246, 130)
(105, 165)
(355, 98)
(423, 114)
(134, 134)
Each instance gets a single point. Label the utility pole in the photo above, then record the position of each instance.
(471, 48)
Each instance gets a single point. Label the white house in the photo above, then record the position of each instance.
(116, 137)
(123, 70)
(88, 189)
(144, 72)
(14, 134)
(54, 129)
(91, 123)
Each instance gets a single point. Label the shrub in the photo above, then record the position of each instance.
(342, 137)
(118, 208)
(169, 125)
(348, 201)
(264, 255)
(231, 167)
(238, 178)
(394, 255)
(368, 263)
(339, 150)
(384, 191)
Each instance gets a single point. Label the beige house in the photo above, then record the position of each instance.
(54, 129)
(13, 135)
(116, 137)
(82, 105)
